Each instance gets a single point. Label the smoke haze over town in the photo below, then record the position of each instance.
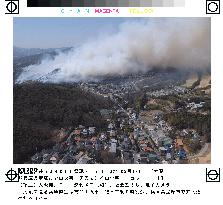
(136, 46)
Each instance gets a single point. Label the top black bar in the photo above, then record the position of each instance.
(53, 3)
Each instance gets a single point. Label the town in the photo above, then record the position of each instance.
(144, 133)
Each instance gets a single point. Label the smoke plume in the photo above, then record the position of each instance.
(138, 45)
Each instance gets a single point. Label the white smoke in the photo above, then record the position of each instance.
(139, 45)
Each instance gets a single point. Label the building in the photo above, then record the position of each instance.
(83, 160)
(179, 143)
(91, 130)
(113, 146)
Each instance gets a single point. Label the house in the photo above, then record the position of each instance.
(184, 133)
(84, 132)
(113, 146)
(152, 158)
(88, 145)
(133, 141)
(79, 155)
(121, 126)
(127, 157)
(83, 160)
(110, 126)
(113, 140)
(102, 137)
(126, 146)
(73, 149)
(126, 139)
(77, 139)
(164, 162)
(157, 137)
(136, 133)
(178, 143)
(167, 141)
(150, 127)
(147, 149)
(161, 124)
(54, 159)
(163, 151)
(93, 139)
(81, 127)
(112, 133)
(133, 116)
(168, 156)
(196, 136)
(194, 105)
(182, 154)
(97, 145)
(70, 140)
(77, 132)
(91, 130)
(129, 110)
(142, 158)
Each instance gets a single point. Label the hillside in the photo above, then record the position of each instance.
(41, 109)
(198, 81)
(26, 57)
(205, 81)
(190, 81)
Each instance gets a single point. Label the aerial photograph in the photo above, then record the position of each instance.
(112, 90)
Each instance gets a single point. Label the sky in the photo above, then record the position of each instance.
(60, 32)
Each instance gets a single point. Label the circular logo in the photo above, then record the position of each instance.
(11, 175)
(11, 7)
(213, 7)
(213, 174)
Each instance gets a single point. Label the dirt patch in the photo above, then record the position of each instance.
(202, 158)
(205, 81)
(190, 81)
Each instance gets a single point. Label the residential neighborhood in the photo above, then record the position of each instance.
(132, 136)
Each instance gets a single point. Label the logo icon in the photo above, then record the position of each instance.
(12, 6)
(213, 175)
(12, 176)
(212, 6)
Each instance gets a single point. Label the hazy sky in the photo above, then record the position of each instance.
(115, 45)
(60, 32)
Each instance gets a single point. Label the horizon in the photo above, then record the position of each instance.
(15, 46)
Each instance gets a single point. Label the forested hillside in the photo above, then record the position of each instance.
(39, 109)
